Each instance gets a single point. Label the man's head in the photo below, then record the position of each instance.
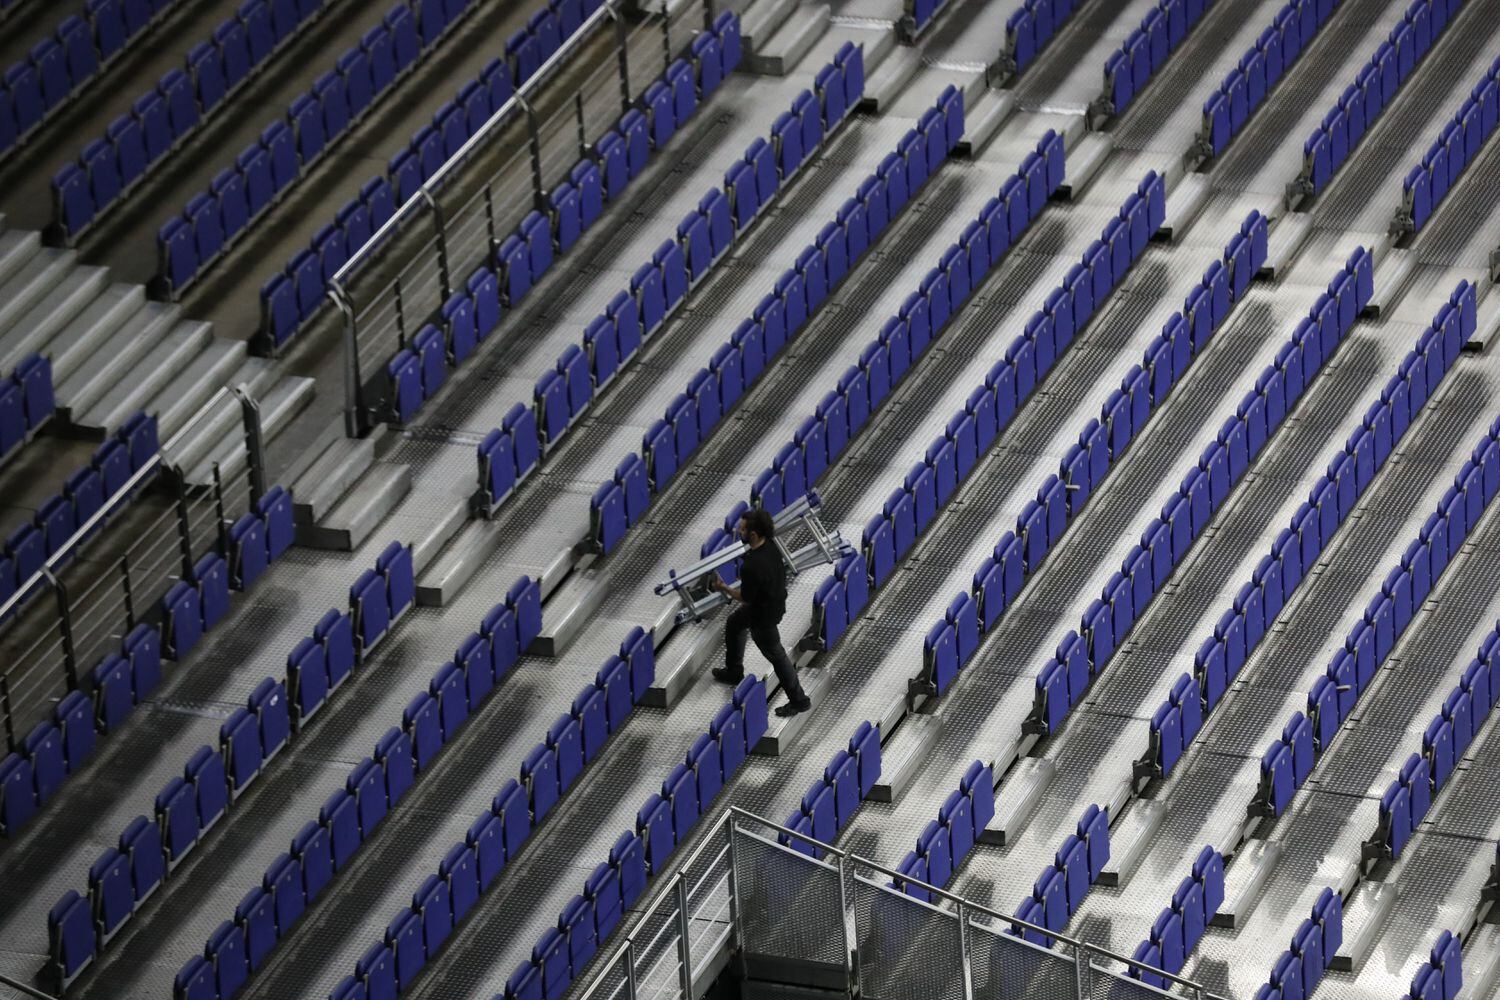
(756, 526)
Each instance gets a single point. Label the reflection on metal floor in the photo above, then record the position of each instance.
(956, 647)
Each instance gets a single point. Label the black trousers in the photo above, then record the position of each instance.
(768, 640)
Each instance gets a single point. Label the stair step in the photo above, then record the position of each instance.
(54, 296)
(286, 398)
(338, 467)
(361, 512)
(17, 246)
(80, 342)
(112, 361)
(886, 83)
(228, 364)
(762, 20)
(783, 51)
(981, 124)
(200, 438)
(175, 356)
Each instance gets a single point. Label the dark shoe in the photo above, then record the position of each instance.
(726, 676)
(792, 708)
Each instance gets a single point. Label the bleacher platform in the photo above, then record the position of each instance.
(360, 368)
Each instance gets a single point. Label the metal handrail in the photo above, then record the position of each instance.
(121, 497)
(21, 987)
(671, 893)
(501, 115)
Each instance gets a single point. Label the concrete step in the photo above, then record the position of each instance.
(55, 296)
(175, 355)
(337, 467)
(762, 20)
(984, 119)
(100, 319)
(783, 51)
(285, 398)
(222, 362)
(885, 84)
(17, 246)
(131, 341)
(441, 520)
(354, 518)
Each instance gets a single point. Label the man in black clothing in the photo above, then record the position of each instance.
(762, 594)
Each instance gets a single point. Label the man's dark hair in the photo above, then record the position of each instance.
(760, 522)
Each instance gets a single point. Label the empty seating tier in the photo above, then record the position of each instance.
(1029, 28)
(1179, 928)
(1406, 800)
(1428, 183)
(289, 299)
(906, 337)
(663, 823)
(945, 842)
(26, 403)
(830, 803)
(416, 373)
(1246, 87)
(1373, 90)
(62, 64)
(1147, 49)
(291, 145)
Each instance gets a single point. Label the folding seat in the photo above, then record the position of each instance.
(239, 743)
(283, 883)
(24, 85)
(366, 785)
(1276, 778)
(354, 221)
(449, 691)
(403, 936)
(1458, 710)
(371, 609)
(275, 511)
(73, 715)
(255, 924)
(1167, 935)
(150, 114)
(177, 818)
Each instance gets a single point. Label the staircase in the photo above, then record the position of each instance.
(114, 352)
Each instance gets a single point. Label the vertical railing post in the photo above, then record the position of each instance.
(583, 137)
(623, 58)
(489, 221)
(354, 388)
(666, 38)
(849, 921)
(965, 959)
(684, 928)
(442, 241)
(1080, 969)
(129, 592)
(400, 303)
(535, 142)
(734, 883)
(254, 446)
(222, 534)
(184, 524)
(630, 969)
(65, 627)
(10, 724)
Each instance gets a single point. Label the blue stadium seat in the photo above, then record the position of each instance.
(371, 610)
(239, 743)
(403, 935)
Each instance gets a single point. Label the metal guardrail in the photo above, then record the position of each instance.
(47, 648)
(24, 990)
(412, 264)
(833, 922)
